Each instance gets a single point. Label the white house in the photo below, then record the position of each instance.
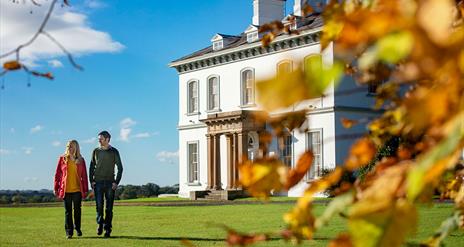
(217, 96)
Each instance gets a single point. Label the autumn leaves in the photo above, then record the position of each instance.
(414, 52)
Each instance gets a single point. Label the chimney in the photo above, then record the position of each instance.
(298, 7)
(265, 11)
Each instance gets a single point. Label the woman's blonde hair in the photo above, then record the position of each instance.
(77, 154)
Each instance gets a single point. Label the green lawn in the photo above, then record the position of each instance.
(166, 226)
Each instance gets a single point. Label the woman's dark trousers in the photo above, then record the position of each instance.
(72, 200)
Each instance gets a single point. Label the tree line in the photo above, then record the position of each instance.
(122, 192)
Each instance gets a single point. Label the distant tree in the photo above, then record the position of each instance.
(17, 199)
(128, 192)
(34, 199)
(5, 199)
(149, 189)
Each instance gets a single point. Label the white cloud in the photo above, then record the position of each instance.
(166, 156)
(126, 129)
(36, 129)
(124, 134)
(94, 4)
(142, 135)
(27, 150)
(70, 27)
(90, 140)
(55, 63)
(127, 122)
(4, 151)
(56, 143)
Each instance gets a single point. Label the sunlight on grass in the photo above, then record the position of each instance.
(166, 226)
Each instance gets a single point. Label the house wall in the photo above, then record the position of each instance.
(321, 117)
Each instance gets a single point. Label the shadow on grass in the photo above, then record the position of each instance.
(183, 238)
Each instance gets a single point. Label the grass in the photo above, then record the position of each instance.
(154, 199)
(166, 226)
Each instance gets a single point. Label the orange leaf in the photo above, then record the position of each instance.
(360, 154)
(235, 238)
(348, 123)
(342, 240)
(12, 65)
(302, 166)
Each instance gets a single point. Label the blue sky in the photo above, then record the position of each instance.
(126, 87)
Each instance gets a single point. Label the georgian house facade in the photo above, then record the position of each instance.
(217, 96)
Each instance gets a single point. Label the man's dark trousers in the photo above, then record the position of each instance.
(103, 189)
(71, 199)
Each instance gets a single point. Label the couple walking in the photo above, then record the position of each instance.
(71, 183)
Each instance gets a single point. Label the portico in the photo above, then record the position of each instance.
(240, 130)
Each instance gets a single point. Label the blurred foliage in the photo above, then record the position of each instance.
(413, 52)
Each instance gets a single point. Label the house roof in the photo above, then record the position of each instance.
(310, 22)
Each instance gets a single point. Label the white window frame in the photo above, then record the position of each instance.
(190, 175)
(252, 37)
(213, 108)
(244, 88)
(218, 45)
(286, 156)
(189, 98)
(315, 172)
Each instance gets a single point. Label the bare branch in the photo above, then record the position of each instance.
(39, 31)
(70, 58)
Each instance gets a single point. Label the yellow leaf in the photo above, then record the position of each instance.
(394, 47)
(263, 176)
(438, 28)
(443, 156)
(386, 228)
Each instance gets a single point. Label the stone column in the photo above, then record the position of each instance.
(210, 160)
(234, 160)
(242, 148)
(230, 164)
(216, 162)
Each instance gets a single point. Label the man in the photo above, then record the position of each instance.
(104, 184)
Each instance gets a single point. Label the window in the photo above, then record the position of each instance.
(248, 87)
(213, 93)
(286, 155)
(192, 97)
(193, 162)
(217, 45)
(314, 143)
(252, 37)
(284, 67)
(313, 64)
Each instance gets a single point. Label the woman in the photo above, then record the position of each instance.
(71, 185)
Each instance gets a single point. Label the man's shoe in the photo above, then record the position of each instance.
(100, 230)
(79, 233)
(107, 234)
(68, 236)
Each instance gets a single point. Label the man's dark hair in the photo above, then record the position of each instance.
(105, 134)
